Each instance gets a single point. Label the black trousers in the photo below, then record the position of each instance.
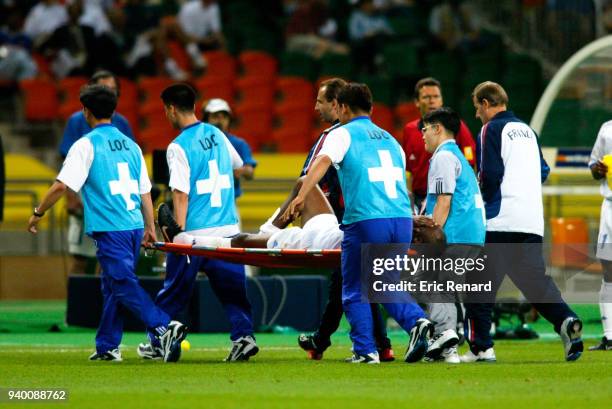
(518, 255)
(333, 314)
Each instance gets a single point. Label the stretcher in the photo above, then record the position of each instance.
(280, 258)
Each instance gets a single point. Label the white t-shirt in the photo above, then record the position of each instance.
(75, 169)
(602, 147)
(44, 19)
(444, 169)
(199, 21)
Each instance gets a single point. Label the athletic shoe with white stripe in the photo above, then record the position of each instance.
(483, 356)
(242, 349)
(171, 341)
(419, 340)
(113, 356)
(604, 345)
(445, 339)
(450, 355)
(148, 351)
(371, 358)
(571, 335)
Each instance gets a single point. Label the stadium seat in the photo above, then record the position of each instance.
(296, 89)
(402, 60)
(156, 133)
(211, 86)
(40, 99)
(254, 123)
(381, 87)
(128, 102)
(150, 89)
(69, 90)
(406, 112)
(291, 139)
(256, 90)
(335, 65)
(383, 117)
(255, 62)
(178, 54)
(298, 64)
(296, 114)
(220, 63)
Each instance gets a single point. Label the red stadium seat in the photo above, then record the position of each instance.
(216, 87)
(290, 139)
(383, 117)
(40, 99)
(69, 90)
(128, 102)
(255, 90)
(178, 54)
(254, 124)
(220, 63)
(258, 63)
(156, 133)
(406, 112)
(297, 114)
(150, 90)
(44, 68)
(296, 89)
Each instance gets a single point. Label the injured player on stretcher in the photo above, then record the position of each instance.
(319, 228)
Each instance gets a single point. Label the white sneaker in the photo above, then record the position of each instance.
(440, 342)
(112, 355)
(483, 356)
(242, 349)
(450, 355)
(571, 335)
(371, 358)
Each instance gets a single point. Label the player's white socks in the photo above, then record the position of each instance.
(268, 227)
(204, 241)
(605, 307)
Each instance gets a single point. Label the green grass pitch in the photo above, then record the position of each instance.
(528, 374)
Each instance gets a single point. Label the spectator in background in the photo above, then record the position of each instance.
(72, 46)
(16, 63)
(43, 19)
(81, 246)
(454, 26)
(312, 31)
(606, 17)
(217, 112)
(198, 28)
(428, 98)
(368, 33)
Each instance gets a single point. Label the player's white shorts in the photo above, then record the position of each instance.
(604, 240)
(320, 232)
(79, 244)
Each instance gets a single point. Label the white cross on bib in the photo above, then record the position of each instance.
(214, 184)
(386, 173)
(125, 186)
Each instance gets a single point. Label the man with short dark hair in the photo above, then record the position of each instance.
(427, 98)
(80, 246)
(316, 343)
(455, 204)
(511, 170)
(201, 162)
(110, 169)
(377, 210)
